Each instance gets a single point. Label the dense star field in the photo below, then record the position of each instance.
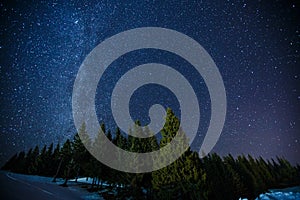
(255, 45)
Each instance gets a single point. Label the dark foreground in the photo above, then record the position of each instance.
(14, 188)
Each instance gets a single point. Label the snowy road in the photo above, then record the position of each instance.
(13, 188)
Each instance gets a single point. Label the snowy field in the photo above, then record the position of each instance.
(292, 193)
(281, 194)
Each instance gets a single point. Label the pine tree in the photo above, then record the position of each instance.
(41, 162)
(149, 144)
(65, 157)
(98, 149)
(118, 177)
(20, 164)
(188, 177)
(170, 128)
(135, 145)
(48, 161)
(120, 140)
(56, 162)
(96, 168)
(31, 160)
(177, 180)
(27, 160)
(67, 160)
(234, 184)
(81, 155)
(247, 177)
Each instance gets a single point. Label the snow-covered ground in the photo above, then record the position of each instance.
(281, 194)
(292, 193)
(86, 180)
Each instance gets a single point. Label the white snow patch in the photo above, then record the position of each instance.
(86, 180)
(282, 194)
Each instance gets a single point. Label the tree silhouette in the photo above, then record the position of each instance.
(188, 177)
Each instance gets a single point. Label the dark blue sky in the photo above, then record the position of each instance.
(255, 45)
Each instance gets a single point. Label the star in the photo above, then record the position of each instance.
(256, 53)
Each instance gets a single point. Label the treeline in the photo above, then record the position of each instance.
(189, 177)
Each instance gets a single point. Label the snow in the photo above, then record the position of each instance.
(85, 180)
(92, 196)
(282, 194)
(292, 193)
(279, 195)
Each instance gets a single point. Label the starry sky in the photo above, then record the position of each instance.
(255, 45)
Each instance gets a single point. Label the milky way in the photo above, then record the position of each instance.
(254, 44)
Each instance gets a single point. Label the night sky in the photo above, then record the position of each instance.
(255, 45)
